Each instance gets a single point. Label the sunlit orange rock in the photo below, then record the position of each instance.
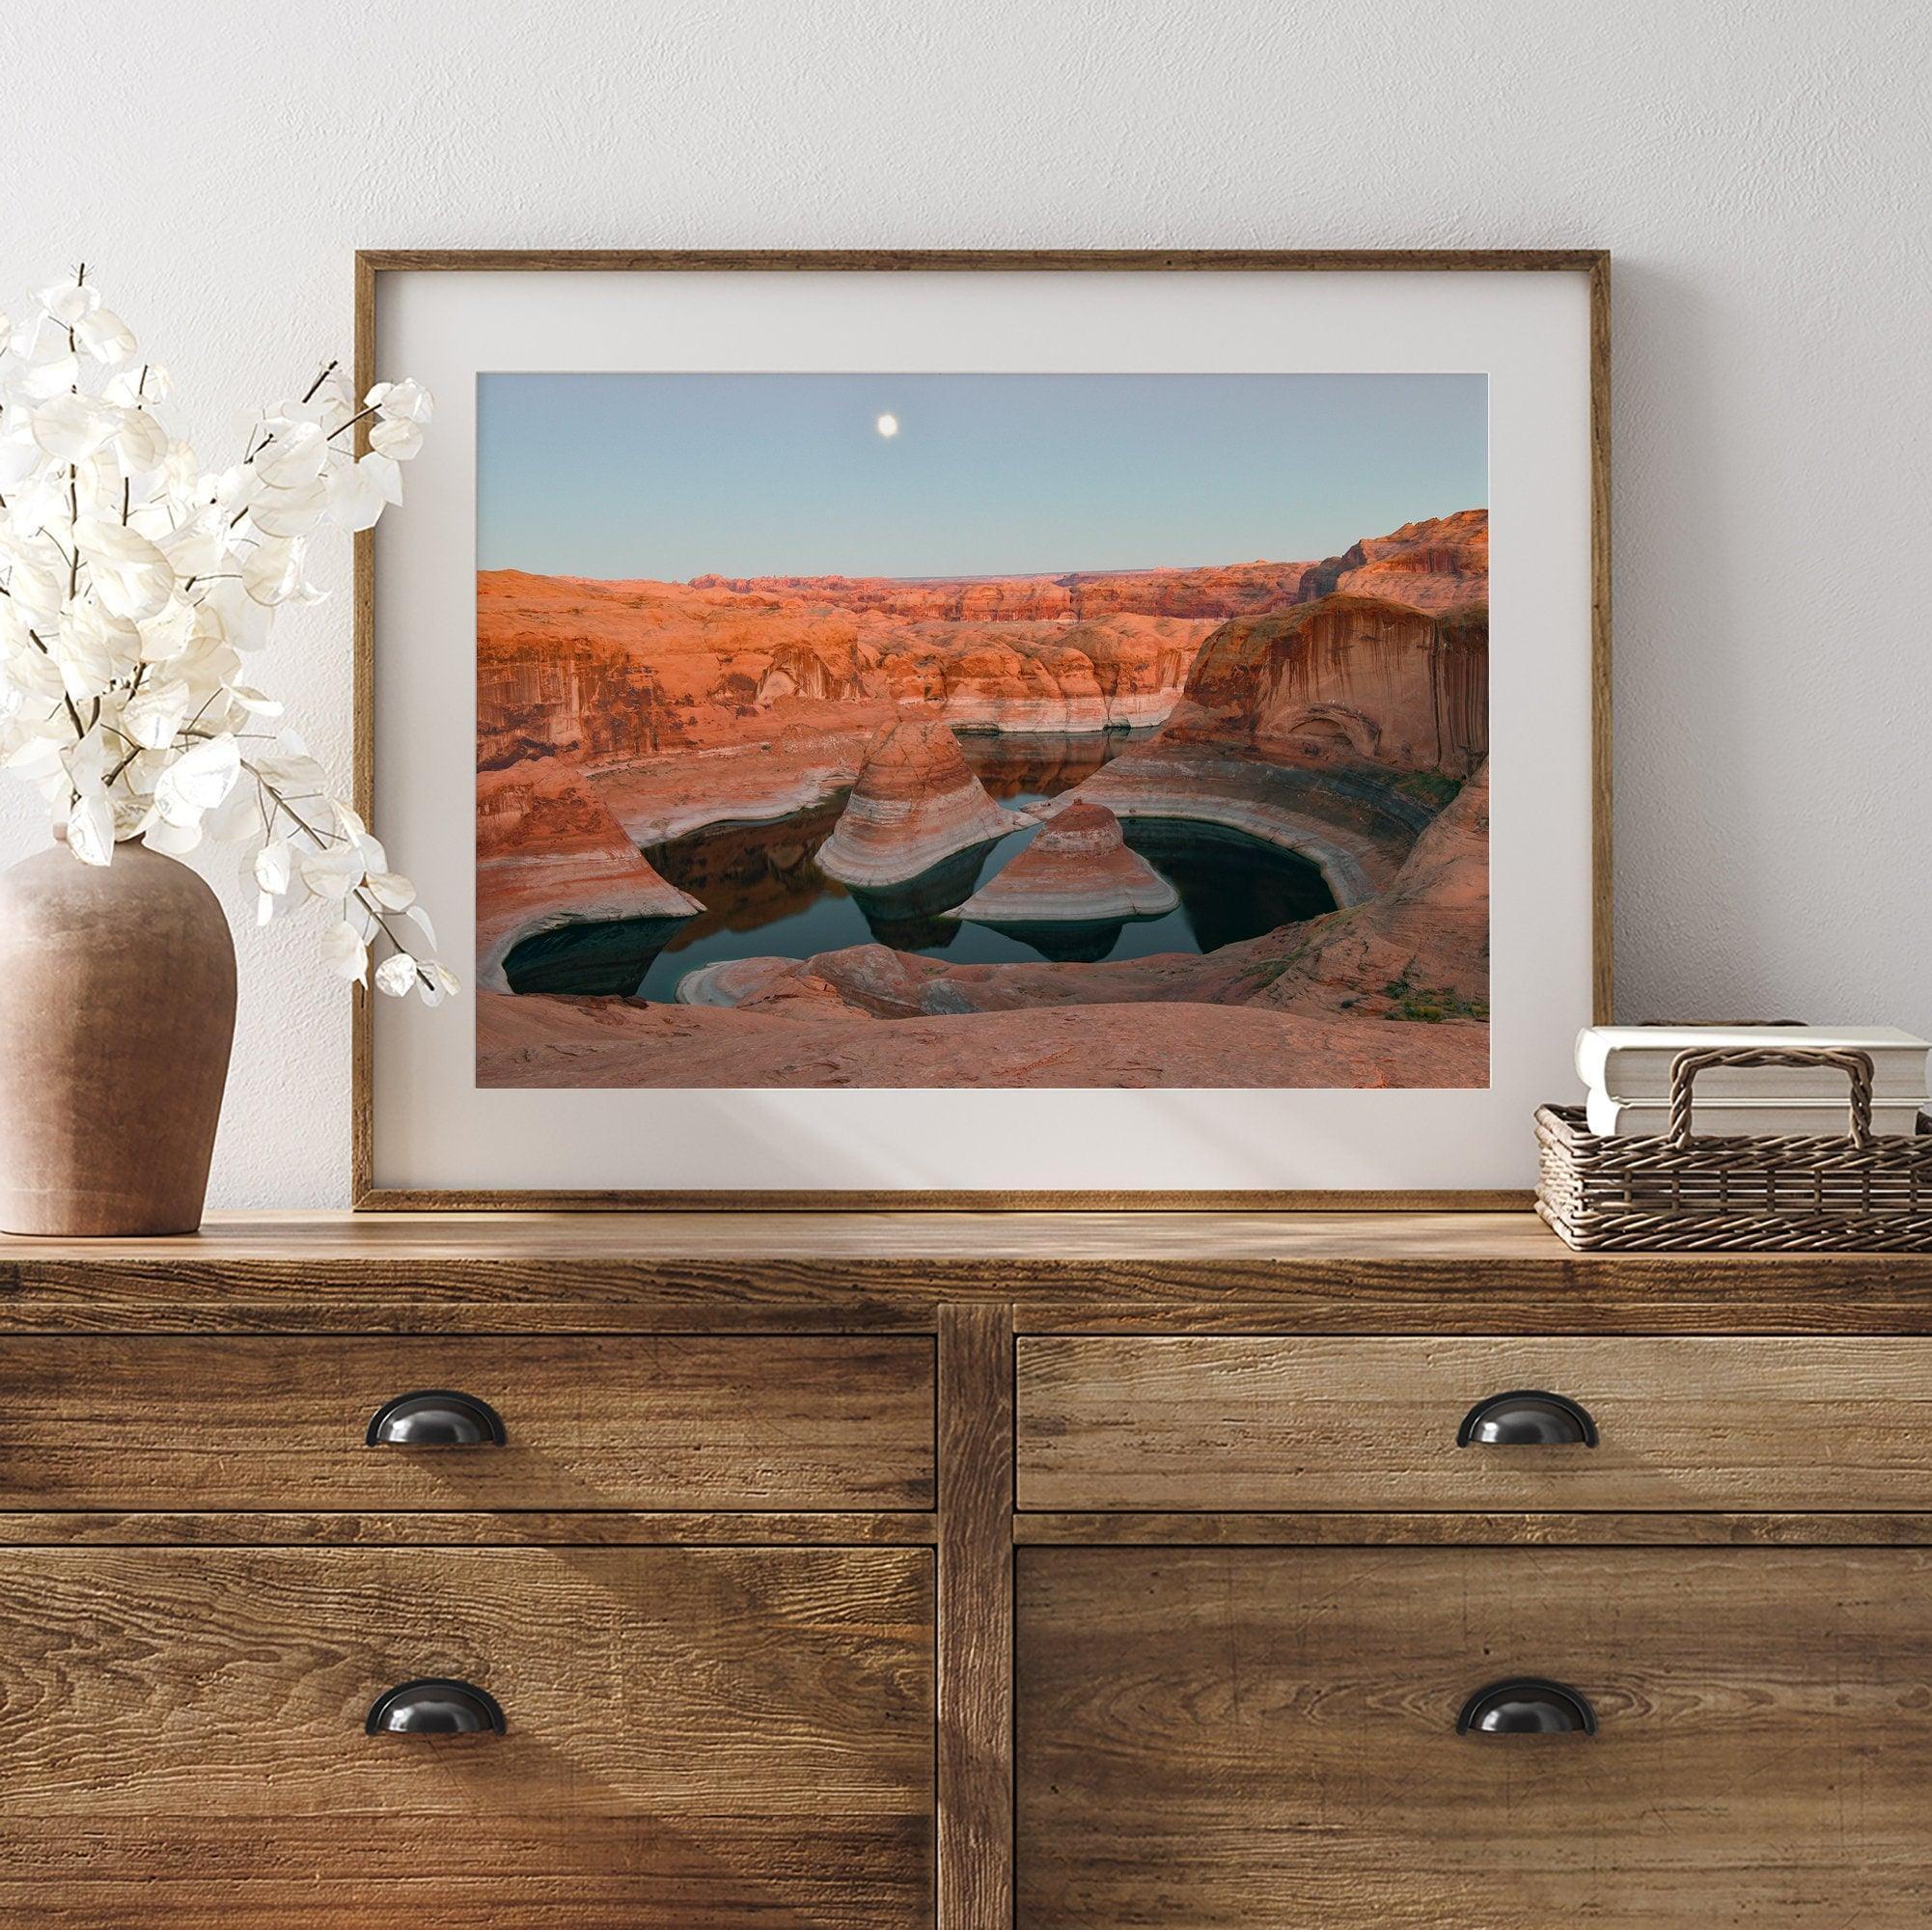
(1349, 679)
(812, 1040)
(550, 853)
(1434, 564)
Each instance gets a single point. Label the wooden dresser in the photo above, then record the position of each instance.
(838, 1573)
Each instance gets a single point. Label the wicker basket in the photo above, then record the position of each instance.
(1849, 1192)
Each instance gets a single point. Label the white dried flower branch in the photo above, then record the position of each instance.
(132, 584)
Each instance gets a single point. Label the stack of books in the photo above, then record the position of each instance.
(1627, 1069)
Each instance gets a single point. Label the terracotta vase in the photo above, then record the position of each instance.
(117, 1011)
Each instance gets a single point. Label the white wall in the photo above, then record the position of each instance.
(1759, 171)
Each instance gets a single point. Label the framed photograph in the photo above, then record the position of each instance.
(989, 729)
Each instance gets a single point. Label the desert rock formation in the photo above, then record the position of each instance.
(1357, 679)
(1216, 591)
(549, 853)
(1435, 564)
(1077, 869)
(1334, 709)
(1419, 951)
(915, 803)
(1357, 824)
(613, 673)
(618, 1043)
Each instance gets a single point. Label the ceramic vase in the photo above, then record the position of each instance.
(117, 1013)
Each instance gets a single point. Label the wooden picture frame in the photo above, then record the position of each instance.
(372, 265)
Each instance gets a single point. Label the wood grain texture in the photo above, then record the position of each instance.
(696, 1738)
(1386, 1528)
(634, 1421)
(1222, 1738)
(975, 261)
(361, 745)
(1603, 925)
(975, 1617)
(1175, 1273)
(1227, 1423)
(1592, 263)
(940, 1200)
(475, 1527)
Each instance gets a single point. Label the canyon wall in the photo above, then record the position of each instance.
(1350, 678)
(610, 673)
(607, 673)
(550, 853)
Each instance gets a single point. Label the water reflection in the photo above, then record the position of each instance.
(765, 895)
(1231, 886)
(1041, 765)
(1069, 944)
(608, 959)
(911, 917)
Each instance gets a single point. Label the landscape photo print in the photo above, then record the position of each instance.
(983, 731)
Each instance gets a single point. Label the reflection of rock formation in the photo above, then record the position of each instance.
(606, 960)
(1041, 763)
(1350, 678)
(549, 853)
(1417, 955)
(749, 876)
(1069, 943)
(915, 803)
(917, 914)
(1077, 870)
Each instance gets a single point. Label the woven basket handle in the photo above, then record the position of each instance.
(1685, 1067)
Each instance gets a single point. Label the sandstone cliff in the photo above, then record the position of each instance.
(1347, 678)
(1419, 952)
(610, 673)
(550, 853)
(1434, 564)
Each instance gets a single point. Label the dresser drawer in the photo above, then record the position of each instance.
(627, 1421)
(1350, 1424)
(694, 1738)
(1214, 1738)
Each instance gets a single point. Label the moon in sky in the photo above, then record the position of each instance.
(888, 426)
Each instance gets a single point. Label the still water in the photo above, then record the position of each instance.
(766, 896)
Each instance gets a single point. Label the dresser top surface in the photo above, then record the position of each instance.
(1096, 1272)
(326, 1238)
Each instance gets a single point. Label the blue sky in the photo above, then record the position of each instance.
(770, 475)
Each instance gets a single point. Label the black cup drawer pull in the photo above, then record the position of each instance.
(433, 1706)
(435, 1417)
(1526, 1417)
(1526, 1705)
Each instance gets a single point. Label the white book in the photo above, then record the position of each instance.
(1647, 1119)
(1634, 1062)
